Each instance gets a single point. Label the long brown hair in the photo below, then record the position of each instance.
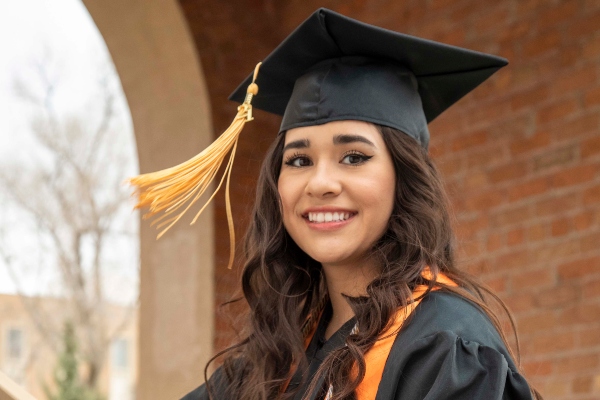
(282, 285)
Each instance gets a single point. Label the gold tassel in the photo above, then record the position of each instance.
(175, 190)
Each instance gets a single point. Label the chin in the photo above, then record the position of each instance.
(327, 257)
(336, 252)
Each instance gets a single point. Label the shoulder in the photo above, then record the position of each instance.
(218, 388)
(450, 313)
(199, 393)
(450, 349)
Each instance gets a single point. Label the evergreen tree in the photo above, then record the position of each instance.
(66, 374)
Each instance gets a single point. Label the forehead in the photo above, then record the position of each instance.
(326, 132)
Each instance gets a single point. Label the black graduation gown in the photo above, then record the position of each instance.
(448, 349)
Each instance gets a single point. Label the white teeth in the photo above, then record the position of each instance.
(327, 217)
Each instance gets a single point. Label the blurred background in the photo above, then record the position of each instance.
(69, 242)
(93, 92)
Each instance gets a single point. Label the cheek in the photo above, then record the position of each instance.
(380, 207)
(389, 193)
(380, 195)
(287, 196)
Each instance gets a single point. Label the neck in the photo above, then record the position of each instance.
(350, 280)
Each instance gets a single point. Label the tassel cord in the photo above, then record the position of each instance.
(207, 155)
(163, 193)
(228, 210)
(227, 173)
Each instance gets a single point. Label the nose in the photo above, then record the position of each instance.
(323, 181)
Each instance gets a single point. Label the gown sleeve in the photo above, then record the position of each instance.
(197, 394)
(444, 366)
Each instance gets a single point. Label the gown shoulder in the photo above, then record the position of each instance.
(218, 388)
(450, 349)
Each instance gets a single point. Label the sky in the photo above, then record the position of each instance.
(60, 36)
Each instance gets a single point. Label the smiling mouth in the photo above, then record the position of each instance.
(324, 217)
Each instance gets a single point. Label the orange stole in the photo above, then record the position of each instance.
(376, 357)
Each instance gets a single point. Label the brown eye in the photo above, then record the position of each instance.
(298, 161)
(355, 158)
(301, 162)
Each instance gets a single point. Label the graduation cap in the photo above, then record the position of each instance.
(330, 68)
(337, 68)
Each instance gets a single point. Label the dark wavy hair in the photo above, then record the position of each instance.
(282, 285)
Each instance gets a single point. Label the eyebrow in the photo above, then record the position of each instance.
(297, 144)
(345, 139)
(338, 139)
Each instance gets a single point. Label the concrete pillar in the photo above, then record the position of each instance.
(164, 85)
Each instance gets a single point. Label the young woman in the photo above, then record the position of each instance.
(349, 275)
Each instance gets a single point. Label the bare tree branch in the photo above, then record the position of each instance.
(74, 208)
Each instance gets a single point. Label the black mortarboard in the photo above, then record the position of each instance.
(332, 67)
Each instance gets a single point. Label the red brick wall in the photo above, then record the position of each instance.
(520, 155)
(231, 37)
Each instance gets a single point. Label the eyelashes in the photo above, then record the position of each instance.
(359, 157)
(294, 159)
(353, 158)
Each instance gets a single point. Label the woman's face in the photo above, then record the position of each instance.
(337, 186)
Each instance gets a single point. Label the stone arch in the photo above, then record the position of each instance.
(163, 81)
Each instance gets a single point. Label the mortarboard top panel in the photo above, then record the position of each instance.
(444, 73)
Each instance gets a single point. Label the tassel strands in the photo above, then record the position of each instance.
(173, 191)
